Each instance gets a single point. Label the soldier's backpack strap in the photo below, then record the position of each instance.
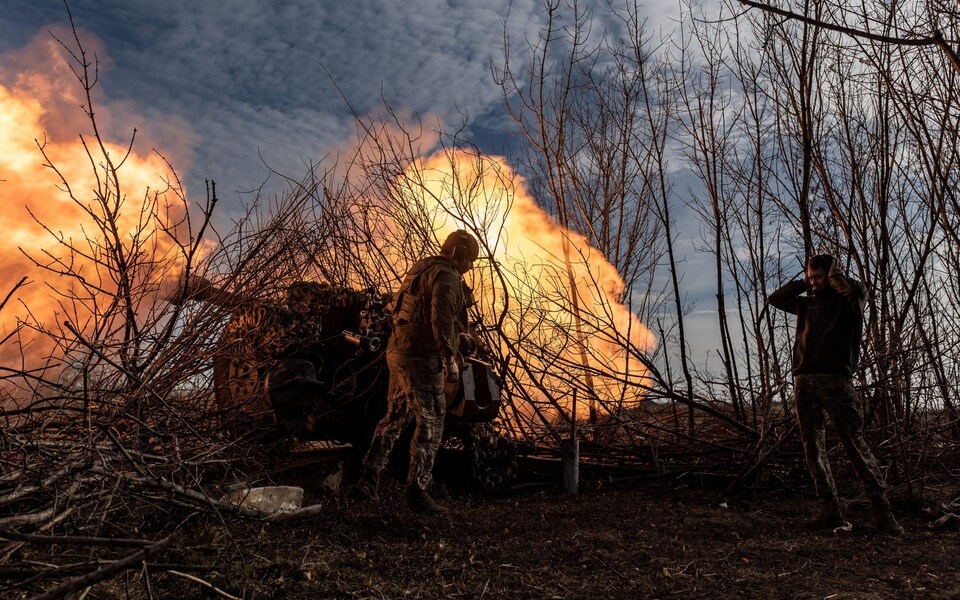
(406, 306)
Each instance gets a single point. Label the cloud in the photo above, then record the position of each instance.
(216, 85)
(251, 74)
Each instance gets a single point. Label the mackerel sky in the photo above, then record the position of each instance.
(230, 90)
(232, 85)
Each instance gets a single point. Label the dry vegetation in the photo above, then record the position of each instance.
(618, 538)
(801, 138)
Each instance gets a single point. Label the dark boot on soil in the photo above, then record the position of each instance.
(421, 501)
(366, 486)
(886, 522)
(829, 517)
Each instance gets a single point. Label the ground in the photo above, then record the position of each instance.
(646, 542)
(613, 539)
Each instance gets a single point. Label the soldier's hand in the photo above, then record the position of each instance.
(834, 268)
(451, 372)
(467, 345)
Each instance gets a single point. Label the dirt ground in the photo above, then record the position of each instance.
(613, 539)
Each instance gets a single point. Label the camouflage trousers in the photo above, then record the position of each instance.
(415, 393)
(835, 395)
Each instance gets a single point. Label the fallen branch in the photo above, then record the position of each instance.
(103, 573)
(76, 540)
(29, 518)
(12, 547)
(24, 491)
(227, 507)
(179, 490)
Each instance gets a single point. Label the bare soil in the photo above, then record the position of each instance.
(632, 538)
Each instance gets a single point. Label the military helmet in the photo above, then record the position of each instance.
(461, 245)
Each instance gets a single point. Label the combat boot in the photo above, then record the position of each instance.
(829, 517)
(421, 501)
(366, 486)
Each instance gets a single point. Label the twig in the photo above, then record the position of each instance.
(19, 284)
(12, 547)
(178, 567)
(29, 518)
(103, 573)
(758, 460)
(29, 489)
(77, 540)
(205, 584)
(193, 495)
(925, 41)
(934, 40)
(132, 376)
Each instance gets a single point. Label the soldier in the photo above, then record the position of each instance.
(825, 354)
(429, 315)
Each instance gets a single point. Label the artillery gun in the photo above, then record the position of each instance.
(312, 367)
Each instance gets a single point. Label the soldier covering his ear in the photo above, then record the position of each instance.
(829, 308)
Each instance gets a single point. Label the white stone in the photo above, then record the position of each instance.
(268, 500)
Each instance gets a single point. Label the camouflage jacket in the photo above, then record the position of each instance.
(429, 311)
(829, 325)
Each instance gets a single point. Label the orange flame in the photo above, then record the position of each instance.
(596, 338)
(40, 101)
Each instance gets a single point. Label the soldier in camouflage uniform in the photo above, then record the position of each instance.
(429, 316)
(825, 355)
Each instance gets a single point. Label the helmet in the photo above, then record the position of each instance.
(461, 245)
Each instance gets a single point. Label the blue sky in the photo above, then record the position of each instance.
(249, 78)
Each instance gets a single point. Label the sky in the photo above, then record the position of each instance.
(228, 91)
(248, 82)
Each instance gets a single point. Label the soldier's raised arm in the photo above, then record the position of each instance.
(853, 291)
(786, 298)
